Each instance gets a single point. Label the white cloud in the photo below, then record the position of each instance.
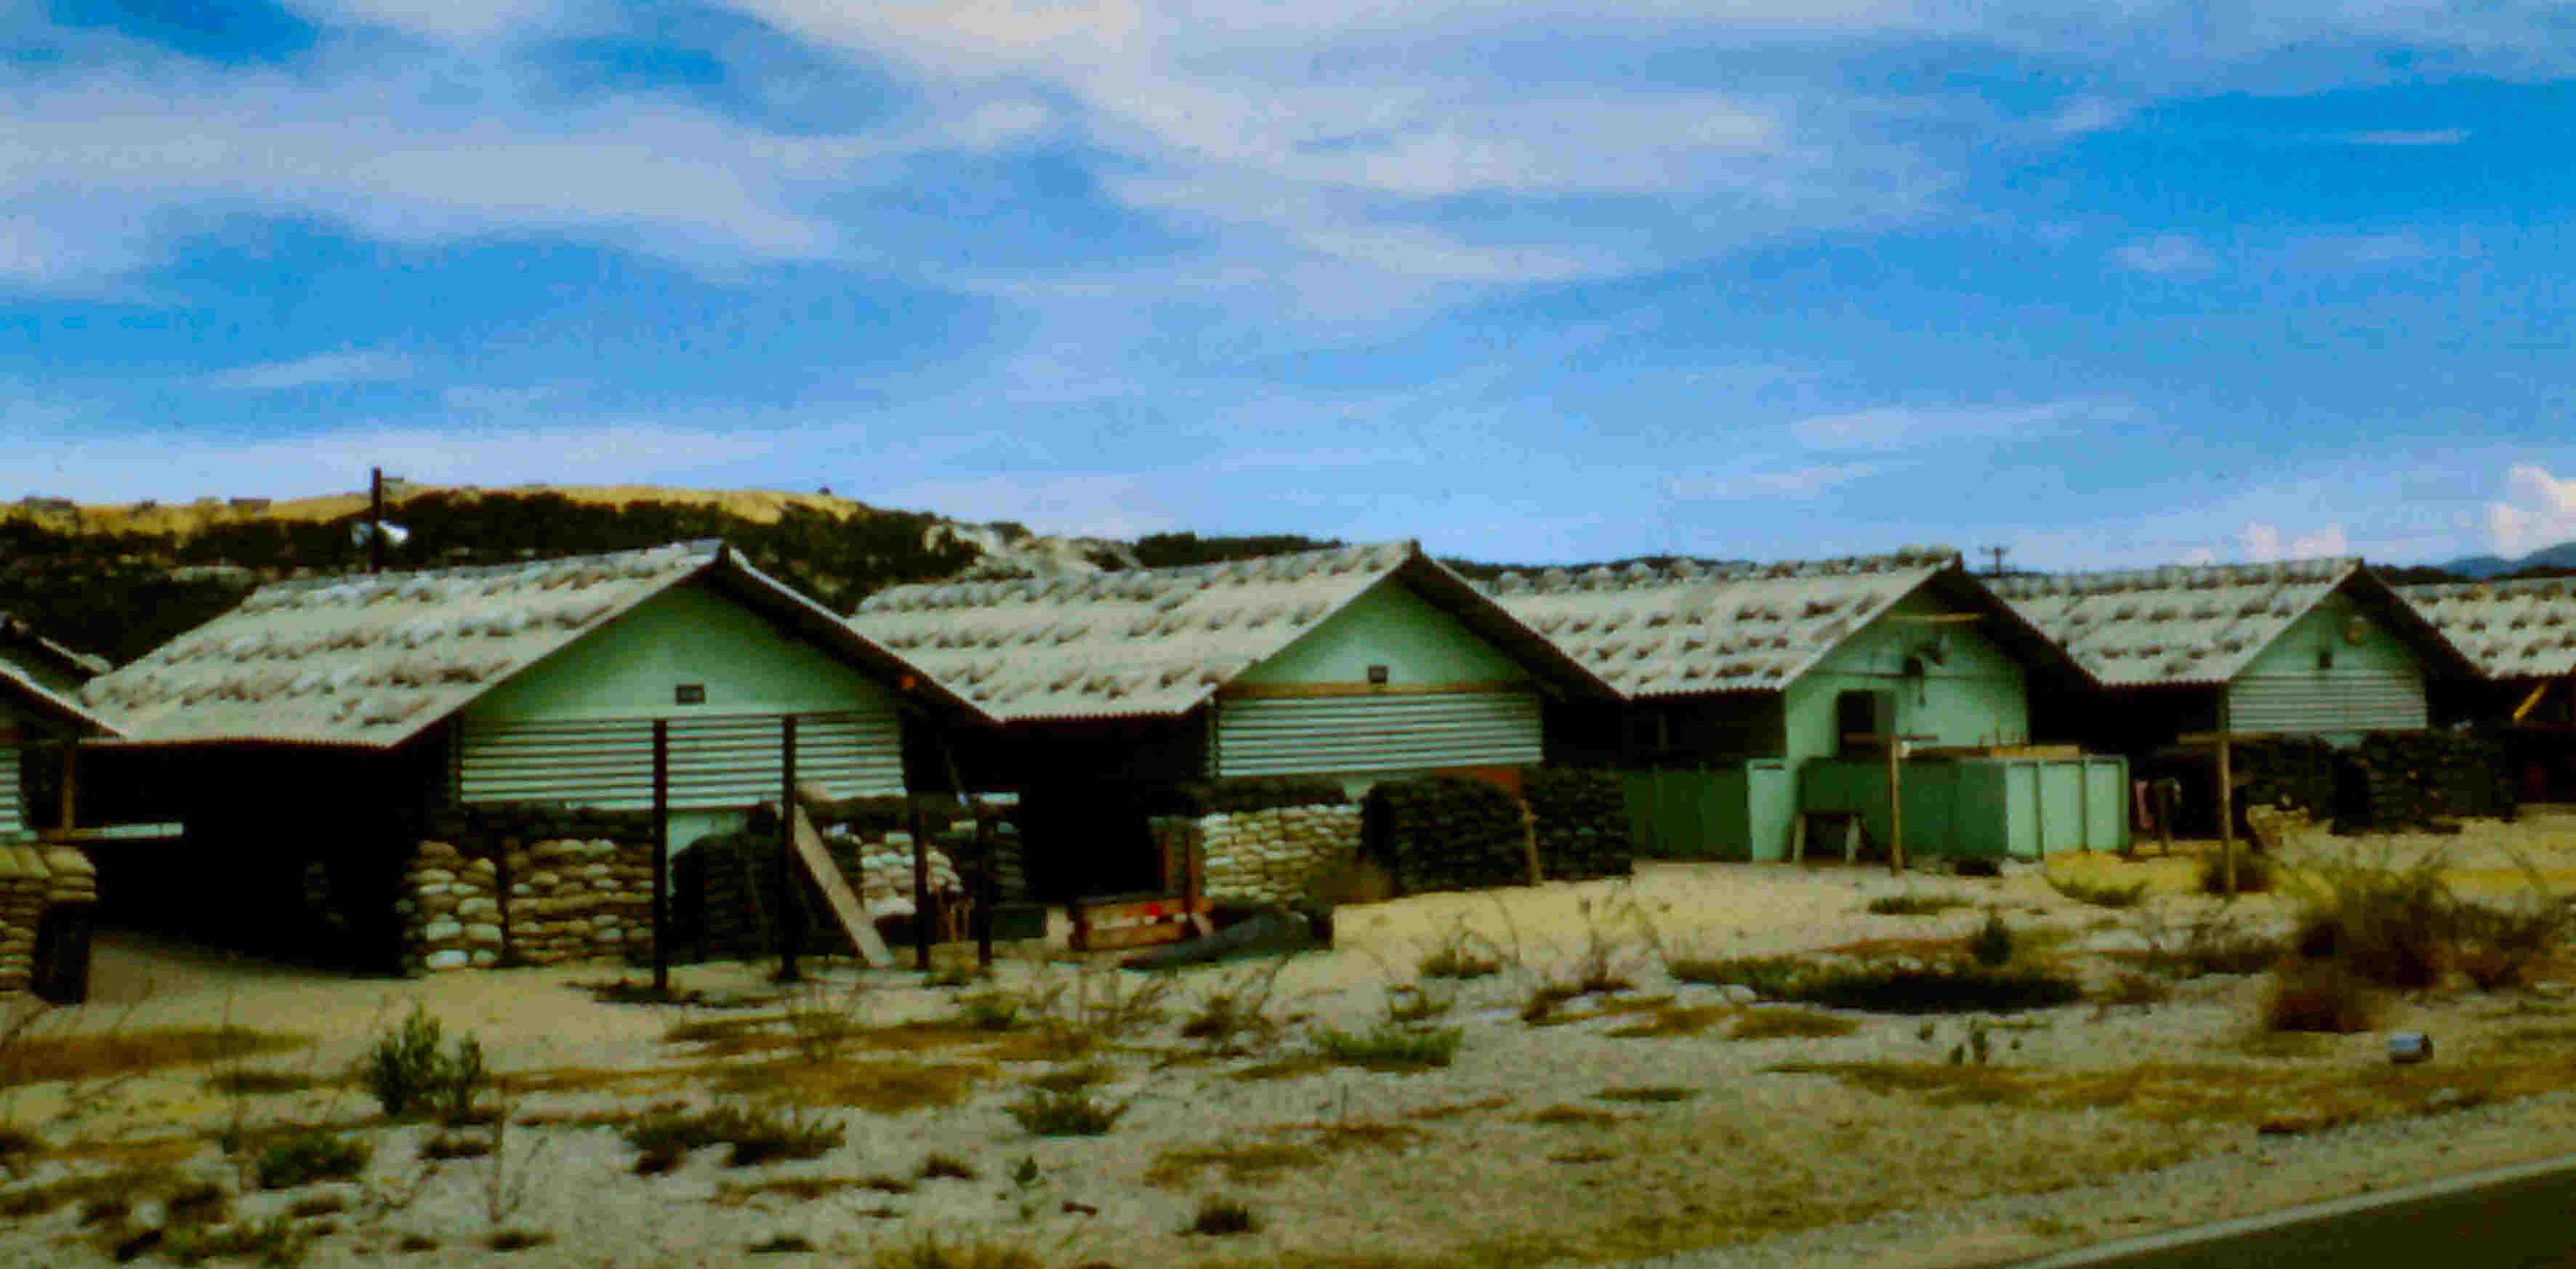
(318, 370)
(1783, 483)
(1911, 427)
(2165, 255)
(2539, 510)
(2424, 137)
(2263, 543)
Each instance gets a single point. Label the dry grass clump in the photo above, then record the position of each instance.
(1789, 1024)
(889, 1086)
(1235, 1013)
(2253, 874)
(2102, 894)
(930, 1253)
(275, 1241)
(310, 1156)
(1916, 904)
(1242, 1163)
(1571, 1116)
(1071, 1112)
(1390, 1047)
(38, 1059)
(939, 1165)
(131, 1184)
(1462, 954)
(750, 1135)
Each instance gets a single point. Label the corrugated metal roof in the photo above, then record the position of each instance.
(372, 660)
(1689, 628)
(2520, 629)
(2178, 625)
(1155, 642)
(21, 690)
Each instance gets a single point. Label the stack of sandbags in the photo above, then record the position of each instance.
(1580, 818)
(2296, 771)
(33, 880)
(450, 906)
(723, 895)
(1447, 833)
(2399, 780)
(573, 899)
(1264, 856)
(879, 872)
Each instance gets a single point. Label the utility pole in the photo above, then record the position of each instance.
(375, 519)
(1995, 553)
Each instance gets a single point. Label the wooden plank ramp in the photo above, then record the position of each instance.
(836, 892)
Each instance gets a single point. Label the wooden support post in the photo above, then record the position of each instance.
(790, 919)
(2523, 710)
(1895, 805)
(661, 856)
(983, 889)
(2226, 822)
(920, 883)
(70, 809)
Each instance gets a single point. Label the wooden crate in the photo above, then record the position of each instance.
(1138, 920)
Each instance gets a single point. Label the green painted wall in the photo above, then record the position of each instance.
(2379, 653)
(2024, 808)
(1388, 625)
(689, 634)
(1973, 696)
(2378, 667)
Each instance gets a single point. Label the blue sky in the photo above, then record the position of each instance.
(2107, 285)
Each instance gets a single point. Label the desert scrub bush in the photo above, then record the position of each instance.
(310, 1156)
(1409, 1003)
(751, 1136)
(2253, 874)
(2496, 945)
(1544, 1000)
(1218, 1217)
(1073, 1112)
(2319, 996)
(2098, 894)
(1389, 1047)
(410, 1073)
(1236, 1011)
(1461, 954)
(1992, 944)
(989, 1010)
(1915, 904)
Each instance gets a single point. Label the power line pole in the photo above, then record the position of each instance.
(1995, 553)
(375, 519)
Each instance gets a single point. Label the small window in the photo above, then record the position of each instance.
(2325, 658)
(1377, 674)
(690, 694)
(1864, 714)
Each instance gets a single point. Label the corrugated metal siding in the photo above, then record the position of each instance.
(716, 762)
(1287, 736)
(2326, 703)
(13, 796)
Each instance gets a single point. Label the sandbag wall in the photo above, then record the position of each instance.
(33, 881)
(1445, 833)
(1258, 840)
(2402, 780)
(2291, 770)
(1581, 822)
(528, 886)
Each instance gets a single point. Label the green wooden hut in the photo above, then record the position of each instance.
(1745, 685)
(2302, 648)
(326, 719)
(1352, 665)
(2521, 634)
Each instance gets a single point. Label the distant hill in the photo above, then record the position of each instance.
(2481, 567)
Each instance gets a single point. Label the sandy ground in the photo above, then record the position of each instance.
(1534, 1146)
